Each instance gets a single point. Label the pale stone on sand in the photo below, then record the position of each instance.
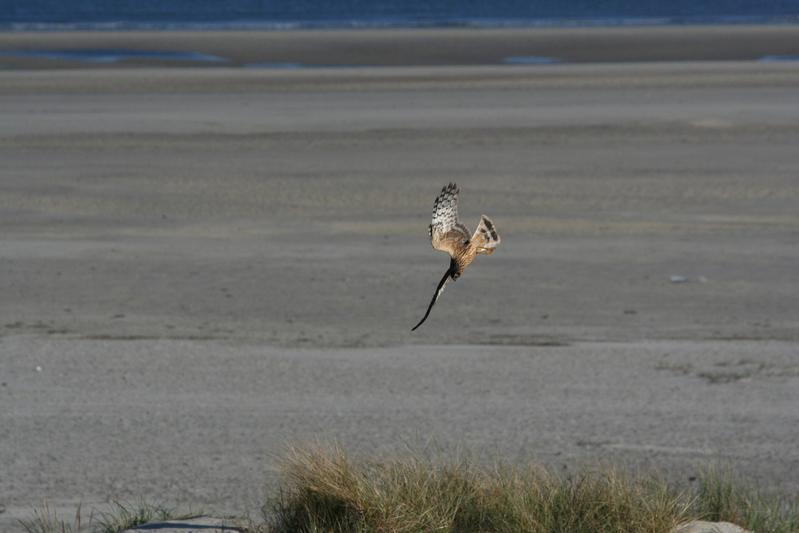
(702, 526)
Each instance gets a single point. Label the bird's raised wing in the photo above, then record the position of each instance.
(485, 237)
(446, 232)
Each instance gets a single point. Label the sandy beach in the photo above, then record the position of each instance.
(201, 265)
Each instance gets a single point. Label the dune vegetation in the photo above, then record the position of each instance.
(324, 490)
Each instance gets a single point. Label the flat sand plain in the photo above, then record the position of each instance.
(208, 264)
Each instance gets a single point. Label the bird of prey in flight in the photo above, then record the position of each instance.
(447, 234)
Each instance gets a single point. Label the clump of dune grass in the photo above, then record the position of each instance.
(124, 516)
(327, 491)
(119, 517)
(324, 490)
(46, 520)
(721, 497)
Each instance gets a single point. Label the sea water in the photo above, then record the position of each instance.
(291, 14)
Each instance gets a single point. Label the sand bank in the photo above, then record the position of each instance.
(259, 205)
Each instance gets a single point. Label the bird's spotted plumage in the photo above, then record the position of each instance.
(448, 234)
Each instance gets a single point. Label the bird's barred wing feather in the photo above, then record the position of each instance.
(446, 232)
(485, 237)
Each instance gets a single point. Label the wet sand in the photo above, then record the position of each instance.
(209, 263)
(402, 47)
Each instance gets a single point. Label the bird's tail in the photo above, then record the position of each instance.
(485, 237)
(439, 290)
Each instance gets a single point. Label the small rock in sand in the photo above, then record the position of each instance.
(701, 526)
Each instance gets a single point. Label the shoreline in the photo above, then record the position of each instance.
(198, 81)
(396, 47)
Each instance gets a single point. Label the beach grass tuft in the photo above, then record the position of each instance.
(119, 517)
(124, 516)
(46, 520)
(721, 497)
(324, 490)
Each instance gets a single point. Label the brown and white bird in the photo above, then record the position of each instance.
(449, 235)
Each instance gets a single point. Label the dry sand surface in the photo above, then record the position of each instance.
(207, 264)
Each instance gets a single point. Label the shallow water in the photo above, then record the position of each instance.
(289, 14)
(777, 59)
(530, 60)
